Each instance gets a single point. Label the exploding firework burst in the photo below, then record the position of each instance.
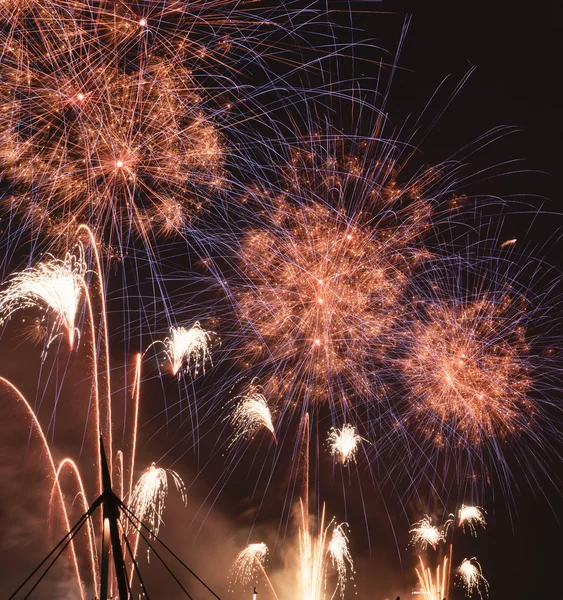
(340, 556)
(343, 443)
(467, 370)
(471, 517)
(150, 492)
(55, 286)
(251, 414)
(322, 269)
(190, 347)
(424, 533)
(248, 562)
(471, 578)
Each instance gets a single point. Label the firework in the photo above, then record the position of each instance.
(344, 442)
(424, 533)
(251, 414)
(471, 516)
(55, 286)
(340, 556)
(467, 369)
(188, 346)
(471, 578)
(104, 117)
(149, 495)
(434, 584)
(248, 563)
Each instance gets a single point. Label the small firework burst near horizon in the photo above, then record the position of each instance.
(55, 286)
(248, 563)
(424, 533)
(251, 414)
(343, 443)
(149, 495)
(189, 347)
(471, 578)
(471, 517)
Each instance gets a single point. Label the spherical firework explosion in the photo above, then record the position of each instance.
(471, 578)
(54, 285)
(471, 517)
(344, 442)
(251, 414)
(149, 495)
(113, 135)
(466, 370)
(423, 533)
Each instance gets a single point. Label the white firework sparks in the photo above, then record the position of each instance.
(471, 577)
(340, 556)
(248, 562)
(471, 516)
(149, 495)
(53, 285)
(191, 347)
(424, 533)
(344, 442)
(251, 414)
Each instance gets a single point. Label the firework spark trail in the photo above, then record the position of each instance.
(471, 516)
(190, 346)
(424, 533)
(251, 414)
(471, 578)
(434, 585)
(53, 285)
(54, 471)
(344, 442)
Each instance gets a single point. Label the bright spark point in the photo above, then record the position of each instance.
(80, 96)
(53, 285)
(142, 22)
(344, 442)
(119, 163)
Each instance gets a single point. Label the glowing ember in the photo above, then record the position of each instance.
(424, 533)
(471, 578)
(251, 414)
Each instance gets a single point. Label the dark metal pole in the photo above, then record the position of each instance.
(111, 519)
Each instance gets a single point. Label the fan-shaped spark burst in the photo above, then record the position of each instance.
(251, 414)
(424, 533)
(53, 285)
(471, 578)
(191, 347)
(340, 556)
(150, 492)
(466, 370)
(248, 563)
(471, 516)
(344, 442)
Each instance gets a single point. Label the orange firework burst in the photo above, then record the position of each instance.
(323, 285)
(467, 369)
(113, 135)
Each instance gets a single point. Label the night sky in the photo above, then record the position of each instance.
(516, 49)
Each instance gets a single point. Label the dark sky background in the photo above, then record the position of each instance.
(516, 48)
